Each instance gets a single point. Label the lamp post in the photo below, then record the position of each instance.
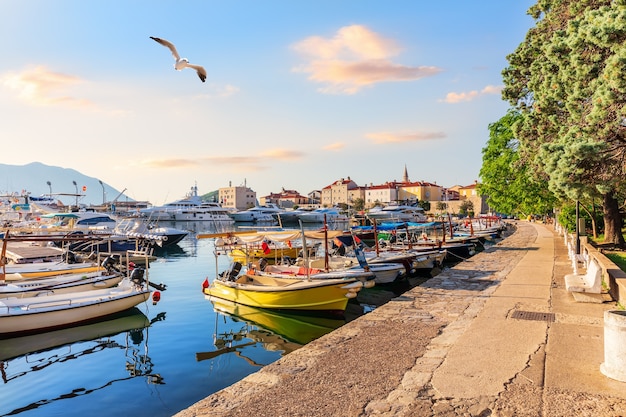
(103, 193)
(76, 188)
(49, 185)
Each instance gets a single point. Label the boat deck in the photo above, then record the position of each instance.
(26, 252)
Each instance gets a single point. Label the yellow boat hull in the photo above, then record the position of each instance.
(330, 295)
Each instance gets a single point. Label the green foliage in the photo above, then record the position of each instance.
(466, 207)
(567, 217)
(424, 204)
(568, 79)
(441, 206)
(358, 204)
(506, 177)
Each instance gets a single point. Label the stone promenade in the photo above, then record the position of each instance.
(497, 335)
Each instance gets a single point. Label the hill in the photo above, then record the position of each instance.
(37, 179)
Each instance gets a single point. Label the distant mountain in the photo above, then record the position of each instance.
(34, 178)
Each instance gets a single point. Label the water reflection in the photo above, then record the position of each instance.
(275, 331)
(22, 357)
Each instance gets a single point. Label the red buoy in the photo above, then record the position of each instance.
(156, 296)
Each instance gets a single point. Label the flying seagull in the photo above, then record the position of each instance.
(181, 63)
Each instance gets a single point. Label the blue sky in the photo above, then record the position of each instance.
(298, 93)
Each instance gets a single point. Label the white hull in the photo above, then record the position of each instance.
(204, 217)
(62, 284)
(387, 273)
(252, 217)
(27, 315)
(258, 214)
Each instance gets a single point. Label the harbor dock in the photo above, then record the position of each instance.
(496, 335)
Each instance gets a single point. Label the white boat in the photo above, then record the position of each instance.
(166, 211)
(383, 272)
(207, 211)
(79, 220)
(259, 214)
(60, 284)
(161, 236)
(330, 215)
(47, 269)
(288, 217)
(397, 213)
(20, 316)
(313, 273)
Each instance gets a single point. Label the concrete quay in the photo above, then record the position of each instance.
(497, 335)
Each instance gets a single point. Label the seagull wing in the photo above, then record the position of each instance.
(169, 45)
(200, 70)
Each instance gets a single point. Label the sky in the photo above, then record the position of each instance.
(298, 94)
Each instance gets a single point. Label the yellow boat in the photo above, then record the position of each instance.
(330, 295)
(247, 254)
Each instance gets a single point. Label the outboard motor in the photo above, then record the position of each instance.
(70, 257)
(262, 264)
(231, 273)
(110, 263)
(137, 276)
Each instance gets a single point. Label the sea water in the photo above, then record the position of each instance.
(155, 360)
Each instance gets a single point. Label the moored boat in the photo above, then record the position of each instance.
(207, 211)
(46, 269)
(61, 284)
(328, 295)
(321, 215)
(259, 214)
(20, 316)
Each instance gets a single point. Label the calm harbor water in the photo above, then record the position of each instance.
(157, 359)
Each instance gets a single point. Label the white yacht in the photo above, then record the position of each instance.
(259, 214)
(398, 213)
(318, 215)
(206, 211)
(166, 212)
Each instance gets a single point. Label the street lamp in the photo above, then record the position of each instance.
(103, 193)
(49, 185)
(76, 187)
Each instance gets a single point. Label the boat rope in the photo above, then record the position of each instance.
(458, 256)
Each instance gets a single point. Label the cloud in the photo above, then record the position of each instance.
(283, 154)
(354, 58)
(471, 95)
(334, 146)
(388, 137)
(41, 87)
(250, 163)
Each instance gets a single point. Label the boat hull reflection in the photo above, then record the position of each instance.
(132, 319)
(298, 328)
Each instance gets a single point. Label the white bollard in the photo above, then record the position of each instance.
(614, 365)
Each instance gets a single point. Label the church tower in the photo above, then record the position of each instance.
(405, 177)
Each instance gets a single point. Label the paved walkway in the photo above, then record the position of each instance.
(497, 335)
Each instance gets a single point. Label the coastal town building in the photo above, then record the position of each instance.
(345, 192)
(237, 198)
(286, 199)
(342, 191)
(381, 194)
